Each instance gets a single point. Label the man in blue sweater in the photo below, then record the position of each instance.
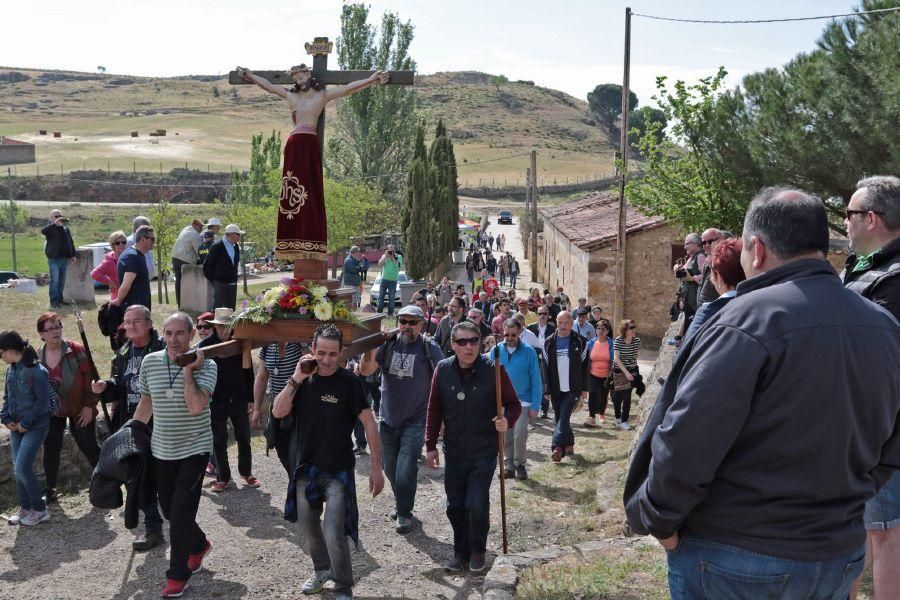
(521, 363)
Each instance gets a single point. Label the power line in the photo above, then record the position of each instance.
(480, 162)
(751, 21)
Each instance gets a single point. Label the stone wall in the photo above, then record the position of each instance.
(73, 468)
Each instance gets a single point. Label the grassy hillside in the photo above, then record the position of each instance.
(209, 122)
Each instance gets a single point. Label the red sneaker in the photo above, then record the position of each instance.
(557, 455)
(174, 588)
(195, 561)
(251, 482)
(219, 486)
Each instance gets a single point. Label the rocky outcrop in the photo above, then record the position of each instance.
(13, 77)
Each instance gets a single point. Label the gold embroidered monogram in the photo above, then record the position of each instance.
(293, 195)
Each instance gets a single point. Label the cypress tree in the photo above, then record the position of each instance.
(444, 197)
(419, 227)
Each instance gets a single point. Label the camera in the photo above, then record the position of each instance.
(64, 220)
(680, 274)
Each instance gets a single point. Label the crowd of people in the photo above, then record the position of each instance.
(772, 336)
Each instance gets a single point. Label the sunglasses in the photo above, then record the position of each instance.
(472, 341)
(54, 328)
(632, 327)
(543, 314)
(707, 242)
(204, 326)
(119, 243)
(408, 322)
(849, 212)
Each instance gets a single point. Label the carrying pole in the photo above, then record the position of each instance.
(500, 445)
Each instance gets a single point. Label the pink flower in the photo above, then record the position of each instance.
(302, 310)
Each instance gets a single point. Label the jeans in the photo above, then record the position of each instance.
(220, 412)
(515, 451)
(180, 482)
(24, 448)
(502, 277)
(85, 437)
(58, 267)
(176, 268)
(512, 279)
(599, 396)
(329, 549)
(701, 568)
(388, 288)
(622, 403)
(562, 411)
(400, 451)
(224, 295)
(468, 486)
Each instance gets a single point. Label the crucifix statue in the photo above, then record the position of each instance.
(302, 231)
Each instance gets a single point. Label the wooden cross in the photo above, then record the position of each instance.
(320, 48)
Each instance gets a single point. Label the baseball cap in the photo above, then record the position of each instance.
(208, 234)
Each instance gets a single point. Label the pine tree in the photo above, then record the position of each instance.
(444, 195)
(420, 231)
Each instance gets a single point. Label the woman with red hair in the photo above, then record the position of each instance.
(725, 273)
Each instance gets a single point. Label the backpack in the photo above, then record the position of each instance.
(426, 339)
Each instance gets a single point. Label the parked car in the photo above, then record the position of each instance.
(5, 276)
(504, 217)
(375, 290)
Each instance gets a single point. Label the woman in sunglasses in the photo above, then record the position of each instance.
(105, 272)
(626, 349)
(70, 377)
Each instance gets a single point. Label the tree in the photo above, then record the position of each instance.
(444, 193)
(258, 183)
(166, 226)
(101, 69)
(639, 121)
(606, 102)
(498, 80)
(12, 212)
(420, 230)
(373, 130)
(685, 179)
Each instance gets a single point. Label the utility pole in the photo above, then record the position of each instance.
(527, 216)
(12, 219)
(619, 308)
(534, 213)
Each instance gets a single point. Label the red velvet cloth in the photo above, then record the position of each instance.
(302, 231)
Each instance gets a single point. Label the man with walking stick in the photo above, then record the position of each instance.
(465, 398)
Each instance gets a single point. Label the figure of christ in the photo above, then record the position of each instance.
(302, 232)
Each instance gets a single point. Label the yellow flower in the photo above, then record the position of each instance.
(323, 311)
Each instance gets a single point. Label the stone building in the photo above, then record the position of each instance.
(578, 249)
(14, 152)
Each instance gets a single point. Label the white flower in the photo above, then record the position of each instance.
(323, 311)
(318, 291)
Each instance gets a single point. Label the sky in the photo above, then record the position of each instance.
(570, 45)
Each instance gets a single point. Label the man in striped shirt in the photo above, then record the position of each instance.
(178, 400)
(271, 377)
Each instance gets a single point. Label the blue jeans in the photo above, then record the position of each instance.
(328, 545)
(58, 267)
(468, 486)
(25, 447)
(562, 410)
(883, 511)
(701, 568)
(400, 451)
(388, 288)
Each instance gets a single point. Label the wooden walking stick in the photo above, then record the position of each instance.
(500, 444)
(91, 363)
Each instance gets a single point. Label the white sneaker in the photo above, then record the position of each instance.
(17, 518)
(316, 583)
(618, 422)
(34, 517)
(624, 426)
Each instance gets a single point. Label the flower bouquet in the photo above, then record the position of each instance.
(293, 299)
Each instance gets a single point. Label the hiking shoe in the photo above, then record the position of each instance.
(455, 564)
(150, 540)
(557, 455)
(34, 517)
(219, 486)
(316, 583)
(251, 482)
(404, 525)
(195, 561)
(174, 588)
(17, 518)
(508, 473)
(624, 426)
(521, 473)
(477, 563)
(51, 495)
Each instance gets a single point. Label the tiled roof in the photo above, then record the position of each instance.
(5, 141)
(592, 221)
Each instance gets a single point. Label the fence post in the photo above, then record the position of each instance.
(160, 167)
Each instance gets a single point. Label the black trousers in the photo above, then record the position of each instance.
(622, 403)
(220, 412)
(599, 396)
(176, 268)
(85, 437)
(224, 295)
(179, 483)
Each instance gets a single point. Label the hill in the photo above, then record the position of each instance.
(209, 123)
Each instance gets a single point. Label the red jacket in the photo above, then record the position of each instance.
(75, 388)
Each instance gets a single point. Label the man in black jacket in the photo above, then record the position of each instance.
(124, 389)
(749, 498)
(568, 377)
(221, 268)
(543, 329)
(59, 249)
(873, 270)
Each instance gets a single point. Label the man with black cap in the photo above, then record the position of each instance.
(407, 365)
(221, 268)
(351, 273)
(209, 238)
